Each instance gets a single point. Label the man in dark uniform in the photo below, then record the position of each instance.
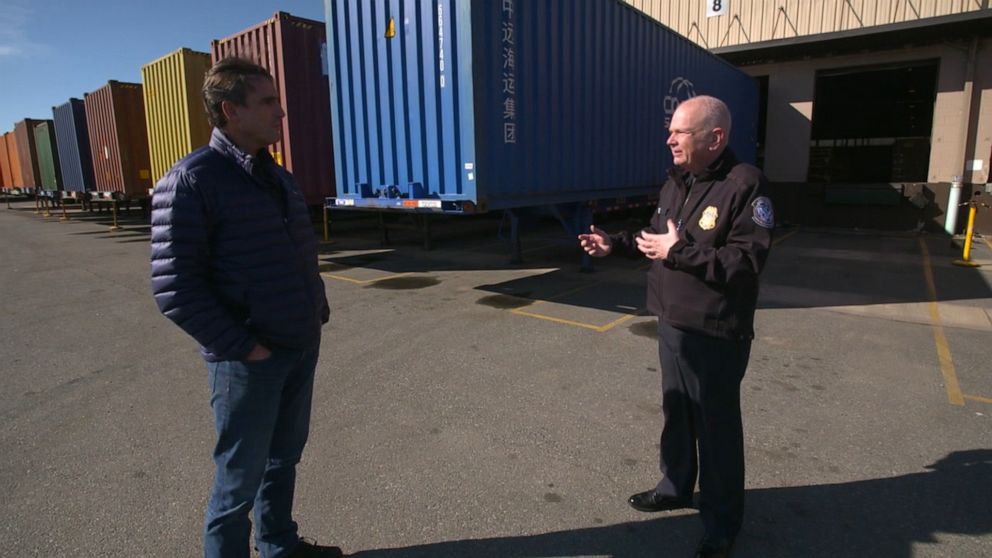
(708, 240)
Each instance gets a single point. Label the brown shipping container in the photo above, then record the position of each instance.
(5, 178)
(115, 116)
(27, 153)
(15, 161)
(292, 49)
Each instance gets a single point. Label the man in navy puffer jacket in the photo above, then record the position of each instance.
(234, 264)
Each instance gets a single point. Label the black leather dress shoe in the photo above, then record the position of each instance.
(651, 501)
(714, 548)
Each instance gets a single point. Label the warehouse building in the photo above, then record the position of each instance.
(870, 111)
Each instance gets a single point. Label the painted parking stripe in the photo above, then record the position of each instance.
(327, 266)
(585, 325)
(943, 350)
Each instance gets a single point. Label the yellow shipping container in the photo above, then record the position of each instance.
(177, 121)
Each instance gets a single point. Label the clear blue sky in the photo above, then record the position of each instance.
(51, 50)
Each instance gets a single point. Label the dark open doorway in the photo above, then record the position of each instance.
(873, 124)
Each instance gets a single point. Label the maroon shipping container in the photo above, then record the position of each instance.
(115, 116)
(293, 50)
(14, 160)
(6, 181)
(27, 153)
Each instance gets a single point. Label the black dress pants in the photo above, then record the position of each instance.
(701, 404)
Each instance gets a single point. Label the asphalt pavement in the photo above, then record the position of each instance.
(470, 407)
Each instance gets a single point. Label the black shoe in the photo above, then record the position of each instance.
(714, 548)
(307, 549)
(651, 501)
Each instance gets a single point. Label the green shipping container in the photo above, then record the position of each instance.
(48, 158)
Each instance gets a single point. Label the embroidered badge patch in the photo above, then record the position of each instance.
(708, 220)
(763, 214)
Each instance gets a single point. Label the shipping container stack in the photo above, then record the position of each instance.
(176, 119)
(293, 50)
(115, 120)
(75, 156)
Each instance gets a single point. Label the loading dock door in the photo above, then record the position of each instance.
(873, 124)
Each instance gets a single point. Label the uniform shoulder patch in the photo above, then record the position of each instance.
(763, 215)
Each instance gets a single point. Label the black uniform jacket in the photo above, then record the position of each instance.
(709, 281)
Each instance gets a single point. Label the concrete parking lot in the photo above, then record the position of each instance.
(470, 407)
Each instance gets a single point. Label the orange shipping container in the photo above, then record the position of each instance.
(5, 178)
(15, 162)
(115, 117)
(293, 50)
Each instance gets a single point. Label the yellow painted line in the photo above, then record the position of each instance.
(943, 351)
(987, 241)
(977, 398)
(366, 281)
(596, 327)
(556, 320)
(619, 321)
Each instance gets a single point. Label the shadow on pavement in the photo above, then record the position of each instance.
(878, 517)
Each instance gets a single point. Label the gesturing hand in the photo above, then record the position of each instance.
(656, 246)
(596, 243)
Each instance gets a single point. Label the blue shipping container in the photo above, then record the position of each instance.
(73, 140)
(473, 105)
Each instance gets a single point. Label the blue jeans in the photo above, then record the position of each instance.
(262, 417)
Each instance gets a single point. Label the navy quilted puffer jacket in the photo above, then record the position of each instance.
(233, 256)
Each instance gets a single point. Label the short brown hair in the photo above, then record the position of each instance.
(229, 80)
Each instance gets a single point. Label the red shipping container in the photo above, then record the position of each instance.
(293, 49)
(115, 116)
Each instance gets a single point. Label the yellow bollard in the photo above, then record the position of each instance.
(965, 260)
(326, 234)
(327, 229)
(65, 215)
(113, 206)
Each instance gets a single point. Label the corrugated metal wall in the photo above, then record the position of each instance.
(13, 157)
(293, 50)
(515, 103)
(27, 152)
(72, 137)
(396, 99)
(176, 119)
(49, 177)
(753, 21)
(115, 118)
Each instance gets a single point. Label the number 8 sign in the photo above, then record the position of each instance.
(716, 7)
